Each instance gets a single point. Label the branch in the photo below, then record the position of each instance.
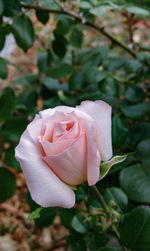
(85, 22)
(99, 198)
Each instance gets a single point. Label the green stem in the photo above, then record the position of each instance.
(100, 198)
(84, 21)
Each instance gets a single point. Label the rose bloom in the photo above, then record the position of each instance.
(63, 147)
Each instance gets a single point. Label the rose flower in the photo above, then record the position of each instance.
(63, 147)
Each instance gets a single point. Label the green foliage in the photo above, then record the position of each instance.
(7, 184)
(134, 229)
(73, 61)
(23, 31)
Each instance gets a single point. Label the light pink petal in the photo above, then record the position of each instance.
(101, 113)
(49, 112)
(72, 133)
(93, 159)
(55, 147)
(70, 165)
(45, 187)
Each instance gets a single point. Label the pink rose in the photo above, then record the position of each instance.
(63, 147)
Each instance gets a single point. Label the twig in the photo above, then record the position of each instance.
(99, 198)
(85, 22)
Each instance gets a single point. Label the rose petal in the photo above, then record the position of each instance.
(101, 113)
(93, 159)
(70, 165)
(45, 187)
(55, 147)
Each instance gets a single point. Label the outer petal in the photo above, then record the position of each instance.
(45, 187)
(101, 113)
(70, 165)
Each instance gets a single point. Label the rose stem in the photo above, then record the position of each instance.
(100, 198)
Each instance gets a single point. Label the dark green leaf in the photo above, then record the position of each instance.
(59, 45)
(80, 194)
(135, 111)
(78, 224)
(26, 80)
(110, 87)
(76, 243)
(28, 98)
(77, 80)
(135, 228)
(23, 31)
(66, 216)
(139, 132)
(119, 131)
(2, 37)
(118, 196)
(11, 7)
(10, 158)
(143, 151)
(135, 182)
(134, 94)
(7, 184)
(76, 37)
(93, 75)
(63, 25)
(61, 71)
(7, 104)
(42, 16)
(1, 9)
(96, 241)
(3, 68)
(13, 128)
(49, 4)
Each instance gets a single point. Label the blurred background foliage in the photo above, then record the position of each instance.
(67, 52)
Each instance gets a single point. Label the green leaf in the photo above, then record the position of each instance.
(80, 194)
(7, 104)
(3, 68)
(143, 151)
(1, 7)
(7, 184)
(119, 131)
(110, 87)
(26, 80)
(51, 83)
(77, 80)
(35, 214)
(99, 11)
(139, 132)
(135, 228)
(118, 196)
(11, 7)
(105, 166)
(93, 75)
(61, 71)
(76, 243)
(2, 36)
(84, 5)
(13, 128)
(63, 25)
(28, 98)
(59, 45)
(47, 216)
(135, 181)
(23, 31)
(135, 111)
(134, 94)
(76, 37)
(10, 158)
(49, 4)
(78, 224)
(97, 240)
(66, 216)
(138, 11)
(42, 16)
